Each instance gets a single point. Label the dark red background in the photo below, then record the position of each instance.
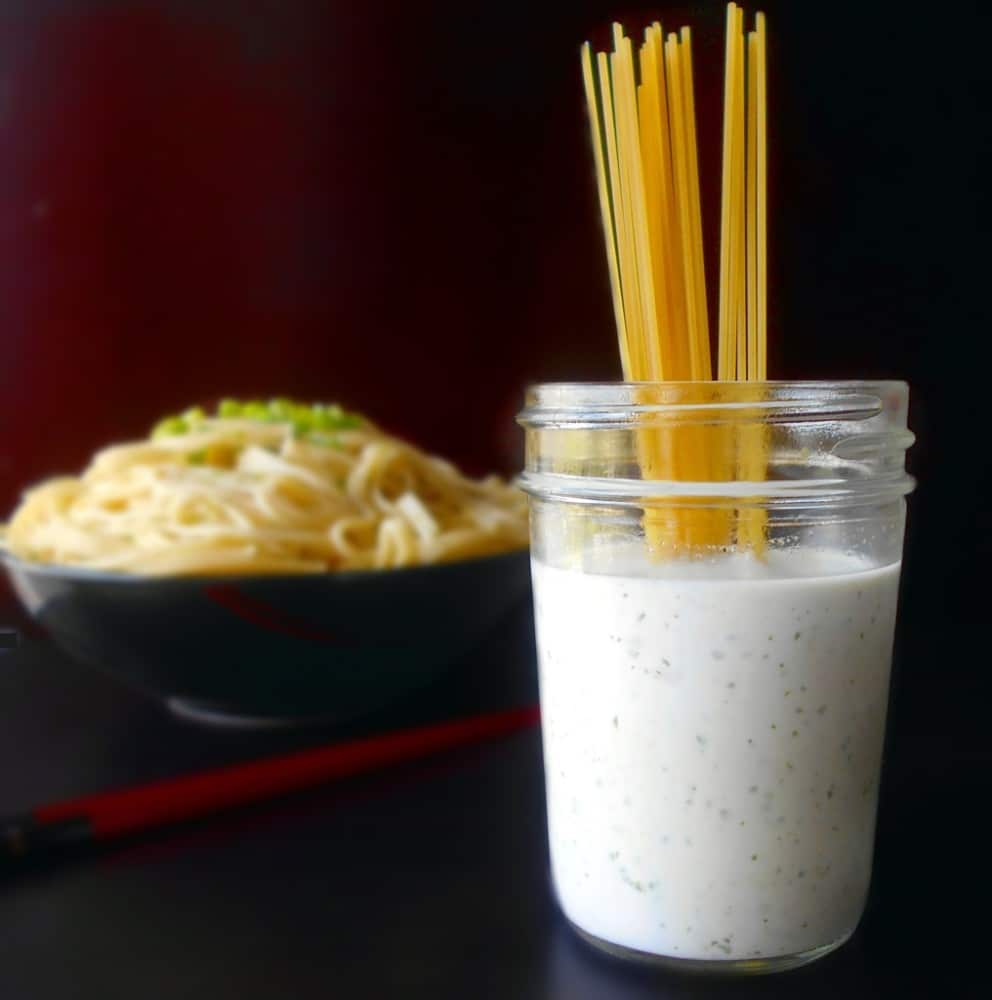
(392, 206)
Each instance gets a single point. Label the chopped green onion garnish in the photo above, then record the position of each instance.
(308, 421)
(170, 426)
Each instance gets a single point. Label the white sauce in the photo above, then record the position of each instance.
(712, 738)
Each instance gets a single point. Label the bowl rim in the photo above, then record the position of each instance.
(84, 574)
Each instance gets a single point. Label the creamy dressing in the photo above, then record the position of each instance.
(712, 737)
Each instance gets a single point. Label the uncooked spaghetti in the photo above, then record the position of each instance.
(643, 127)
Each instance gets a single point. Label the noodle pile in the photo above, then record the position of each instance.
(265, 488)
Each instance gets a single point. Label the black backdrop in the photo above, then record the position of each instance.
(393, 205)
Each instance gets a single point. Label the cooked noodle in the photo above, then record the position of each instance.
(234, 495)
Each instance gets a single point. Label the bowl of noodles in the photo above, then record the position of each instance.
(271, 561)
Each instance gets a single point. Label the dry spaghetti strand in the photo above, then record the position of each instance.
(644, 130)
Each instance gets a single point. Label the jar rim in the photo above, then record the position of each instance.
(848, 438)
(618, 403)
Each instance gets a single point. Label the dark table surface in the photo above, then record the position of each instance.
(431, 880)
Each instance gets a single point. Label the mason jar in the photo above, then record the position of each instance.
(715, 570)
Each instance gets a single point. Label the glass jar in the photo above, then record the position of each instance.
(715, 571)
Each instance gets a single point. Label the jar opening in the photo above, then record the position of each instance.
(604, 404)
(711, 443)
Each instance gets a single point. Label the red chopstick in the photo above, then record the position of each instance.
(124, 811)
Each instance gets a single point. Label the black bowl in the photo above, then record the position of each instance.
(274, 648)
